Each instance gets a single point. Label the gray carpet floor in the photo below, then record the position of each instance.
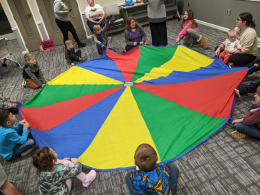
(221, 165)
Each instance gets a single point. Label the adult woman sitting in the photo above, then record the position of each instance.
(95, 15)
(63, 21)
(248, 40)
(134, 34)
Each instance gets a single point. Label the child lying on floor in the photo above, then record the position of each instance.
(54, 176)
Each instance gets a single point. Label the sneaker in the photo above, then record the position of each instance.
(91, 175)
(238, 135)
(29, 150)
(237, 92)
(230, 64)
(23, 83)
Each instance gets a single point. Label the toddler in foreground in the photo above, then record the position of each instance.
(54, 175)
(151, 178)
(70, 54)
(230, 42)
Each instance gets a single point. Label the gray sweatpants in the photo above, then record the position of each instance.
(193, 38)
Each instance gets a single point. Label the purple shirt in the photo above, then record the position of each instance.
(135, 36)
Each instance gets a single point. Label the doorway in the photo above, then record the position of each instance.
(46, 10)
(26, 24)
(6, 29)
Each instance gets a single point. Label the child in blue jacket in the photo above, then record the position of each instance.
(150, 178)
(13, 139)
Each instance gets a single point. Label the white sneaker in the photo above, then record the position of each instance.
(237, 92)
(24, 83)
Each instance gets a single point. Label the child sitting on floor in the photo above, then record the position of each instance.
(230, 42)
(32, 73)
(70, 54)
(151, 178)
(250, 124)
(100, 37)
(8, 104)
(54, 176)
(13, 139)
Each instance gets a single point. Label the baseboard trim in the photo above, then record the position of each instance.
(216, 27)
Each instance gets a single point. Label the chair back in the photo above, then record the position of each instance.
(111, 10)
(4, 50)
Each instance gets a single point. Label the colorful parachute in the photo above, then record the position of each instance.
(173, 98)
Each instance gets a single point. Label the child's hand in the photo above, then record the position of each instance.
(43, 85)
(26, 125)
(103, 46)
(67, 158)
(238, 51)
(141, 43)
(135, 43)
(9, 100)
(237, 121)
(256, 65)
(177, 40)
(22, 122)
(254, 110)
(72, 64)
(74, 160)
(226, 50)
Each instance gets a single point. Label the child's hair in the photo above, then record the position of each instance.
(96, 28)
(247, 16)
(190, 17)
(28, 56)
(68, 42)
(128, 23)
(4, 114)
(145, 157)
(43, 159)
(258, 91)
(231, 31)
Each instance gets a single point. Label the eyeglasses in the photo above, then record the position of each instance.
(238, 20)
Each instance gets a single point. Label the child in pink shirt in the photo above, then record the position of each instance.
(189, 34)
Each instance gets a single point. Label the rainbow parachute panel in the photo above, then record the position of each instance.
(172, 98)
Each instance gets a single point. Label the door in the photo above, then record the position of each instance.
(26, 24)
(46, 10)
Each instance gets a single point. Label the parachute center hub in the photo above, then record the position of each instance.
(126, 84)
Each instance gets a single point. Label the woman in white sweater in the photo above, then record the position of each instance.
(247, 36)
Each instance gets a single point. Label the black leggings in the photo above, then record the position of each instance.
(240, 59)
(65, 27)
(159, 33)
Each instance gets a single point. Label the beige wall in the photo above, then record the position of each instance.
(84, 3)
(8, 13)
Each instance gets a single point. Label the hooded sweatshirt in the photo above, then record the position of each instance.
(59, 9)
(53, 182)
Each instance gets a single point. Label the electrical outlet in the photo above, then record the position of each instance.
(229, 12)
(188, 4)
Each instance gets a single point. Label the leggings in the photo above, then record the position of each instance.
(65, 27)
(193, 38)
(80, 176)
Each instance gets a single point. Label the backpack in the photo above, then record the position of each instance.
(47, 44)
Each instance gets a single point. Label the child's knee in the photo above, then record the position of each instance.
(68, 163)
(240, 127)
(31, 142)
(190, 30)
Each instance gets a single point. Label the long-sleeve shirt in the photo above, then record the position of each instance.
(129, 42)
(54, 182)
(67, 54)
(9, 138)
(184, 31)
(248, 41)
(235, 44)
(156, 10)
(4, 104)
(59, 10)
(252, 118)
(101, 40)
(33, 72)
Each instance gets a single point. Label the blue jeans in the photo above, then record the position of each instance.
(174, 175)
(19, 149)
(250, 130)
(91, 24)
(251, 88)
